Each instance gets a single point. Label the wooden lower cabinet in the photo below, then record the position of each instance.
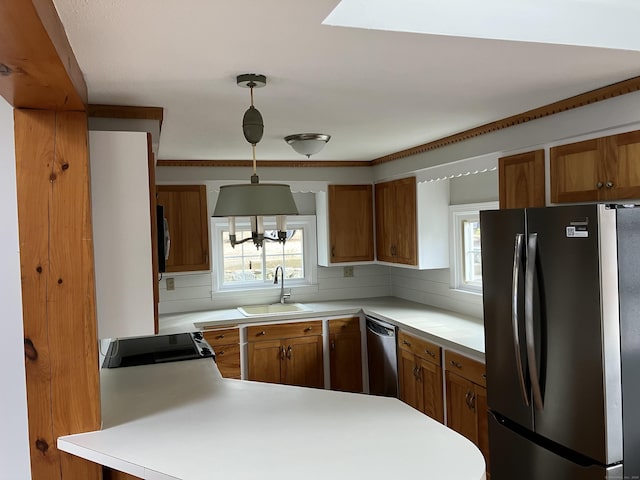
(225, 344)
(420, 375)
(110, 474)
(466, 395)
(291, 360)
(345, 354)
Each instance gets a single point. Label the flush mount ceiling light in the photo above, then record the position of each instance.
(255, 200)
(307, 143)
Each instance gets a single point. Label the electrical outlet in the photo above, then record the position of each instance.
(171, 283)
(348, 271)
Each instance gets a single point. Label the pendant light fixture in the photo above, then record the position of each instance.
(255, 200)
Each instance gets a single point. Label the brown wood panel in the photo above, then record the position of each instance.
(576, 171)
(466, 367)
(408, 391)
(420, 347)
(351, 223)
(303, 363)
(110, 474)
(59, 296)
(622, 168)
(429, 384)
(461, 415)
(259, 333)
(228, 360)
(265, 361)
(345, 360)
(406, 251)
(344, 325)
(186, 213)
(44, 72)
(385, 221)
(223, 336)
(521, 180)
(126, 111)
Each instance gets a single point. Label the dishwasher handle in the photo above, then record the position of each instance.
(380, 330)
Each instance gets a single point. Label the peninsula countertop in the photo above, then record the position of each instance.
(182, 420)
(447, 328)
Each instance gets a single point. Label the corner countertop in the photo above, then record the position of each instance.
(449, 329)
(182, 420)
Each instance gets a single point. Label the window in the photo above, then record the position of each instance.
(245, 267)
(466, 261)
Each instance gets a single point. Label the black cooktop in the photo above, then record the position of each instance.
(129, 352)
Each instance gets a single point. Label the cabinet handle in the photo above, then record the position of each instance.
(220, 353)
(415, 372)
(467, 399)
(599, 185)
(418, 373)
(333, 345)
(484, 375)
(282, 354)
(472, 402)
(456, 364)
(259, 334)
(308, 329)
(289, 352)
(333, 251)
(404, 342)
(430, 353)
(220, 336)
(609, 184)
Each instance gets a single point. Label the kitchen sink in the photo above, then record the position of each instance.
(273, 309)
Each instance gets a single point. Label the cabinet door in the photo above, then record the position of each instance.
(265, 361)
(185, 208)
(482, 415)
(522, 180)
(429, 385)
(385, 221)
(409, 392)
(461, 415)
(404, 225)
(351, 223)
(345, 361)
(575, 171)
(622, 167)
(303, 363)
(228, 360)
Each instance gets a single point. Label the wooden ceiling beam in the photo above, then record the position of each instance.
(38, 68)
(126, 111)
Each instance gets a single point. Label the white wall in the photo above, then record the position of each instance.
(14, 440)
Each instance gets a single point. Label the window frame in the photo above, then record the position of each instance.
(457, 214)
(306, 223)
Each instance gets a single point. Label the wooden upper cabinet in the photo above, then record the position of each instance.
(605, 168)
(351, 223)
(396, 229)
(522, 180)
(185, 208)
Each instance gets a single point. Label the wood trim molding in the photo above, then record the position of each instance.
(39, 67)
(621, 88)
(126, 111)
(263, 163)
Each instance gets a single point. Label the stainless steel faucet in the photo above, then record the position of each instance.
(283, 296)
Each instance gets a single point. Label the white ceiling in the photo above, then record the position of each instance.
(375, 92)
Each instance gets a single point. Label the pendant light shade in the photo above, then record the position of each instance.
(255, 199)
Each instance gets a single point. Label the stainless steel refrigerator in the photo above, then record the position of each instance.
(561, 291)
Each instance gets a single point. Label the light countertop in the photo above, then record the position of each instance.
(182, 420)
(449, 329)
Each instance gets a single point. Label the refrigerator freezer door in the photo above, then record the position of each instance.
(507, 384)
(576, 336)
(515, 457)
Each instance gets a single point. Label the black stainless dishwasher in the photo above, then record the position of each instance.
(382, 358)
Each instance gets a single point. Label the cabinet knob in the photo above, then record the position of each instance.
(404, 342)
(430, 353)
(599, 185)
(220, 353)
(261, 333)
(308, 329)
(220, 336)
(609, 184)
(456, 364)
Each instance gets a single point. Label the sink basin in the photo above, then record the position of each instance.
(273, 309)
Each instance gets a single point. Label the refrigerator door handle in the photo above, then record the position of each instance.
(517, 261)
(532, 249)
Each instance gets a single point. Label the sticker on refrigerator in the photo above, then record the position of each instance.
(578, 229)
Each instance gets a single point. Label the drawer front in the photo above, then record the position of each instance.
(466, 367)
(344, 325)
(228, 360)
(420, 347)
(259, 333)
(222, 337)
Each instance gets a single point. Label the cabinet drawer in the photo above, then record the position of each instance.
(420, 347)
(465, 367)
(222, 337)
(259, 333)
(344, 325)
